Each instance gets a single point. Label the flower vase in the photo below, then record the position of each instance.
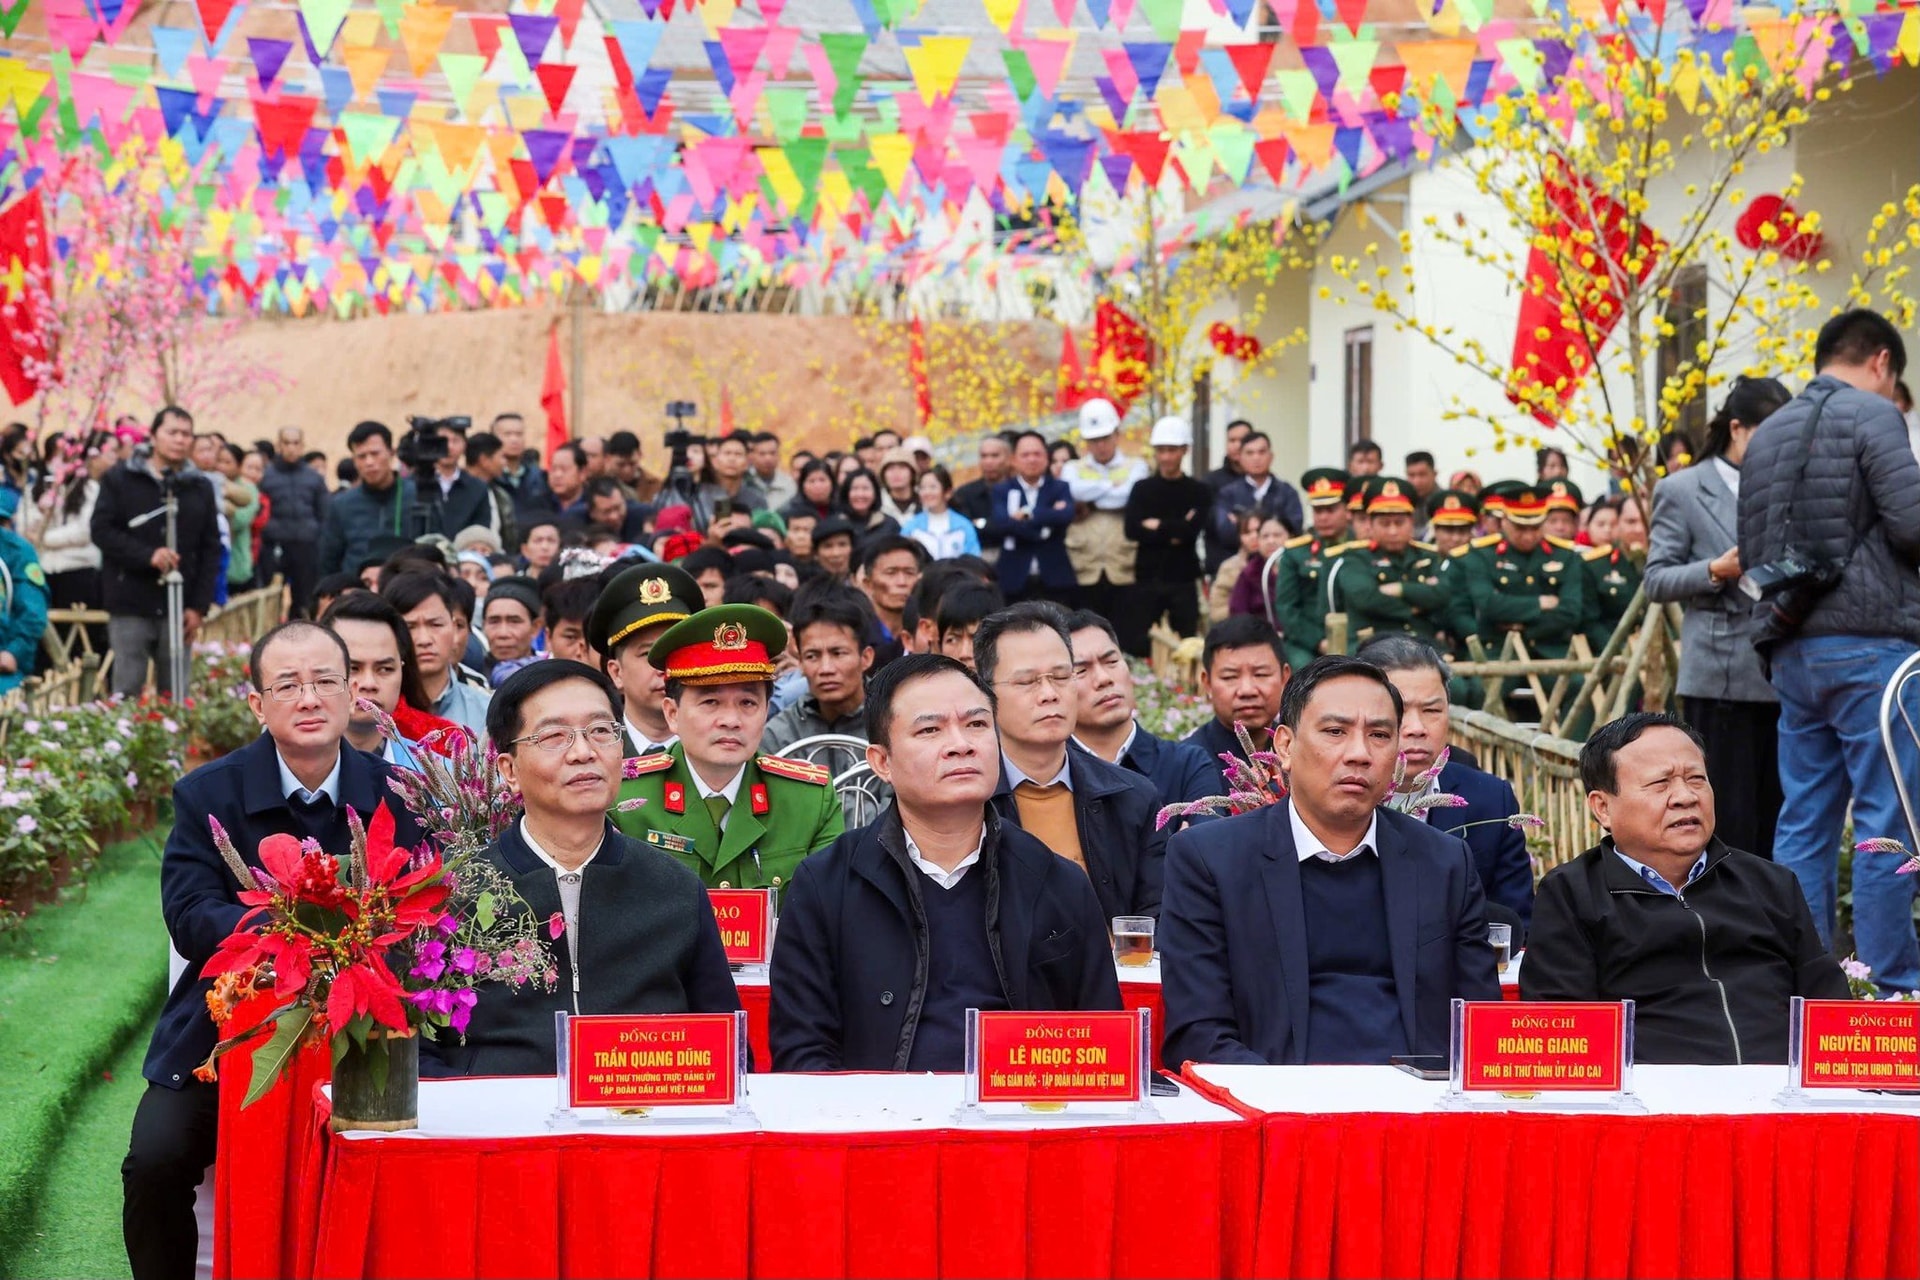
(377, 1088)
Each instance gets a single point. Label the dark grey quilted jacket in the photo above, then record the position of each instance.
(1860, 482)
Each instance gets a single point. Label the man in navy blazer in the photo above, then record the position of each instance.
(1322, 929)
(1484, 822)
(1104, 720)
(298, 778)
(1027, 518)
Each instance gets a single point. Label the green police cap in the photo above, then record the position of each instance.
(643, 596)
(727, 644)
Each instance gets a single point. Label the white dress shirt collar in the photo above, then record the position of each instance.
(1015, 777)
(1307, 845)
(547, 858)
(1729, 474)
(939, 875)
(1133, 732)
(640, 739)
(290, 786)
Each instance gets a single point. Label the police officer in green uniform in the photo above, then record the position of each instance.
(1299, 599)
(635, 608)
(738, 819)
(23, 599)
(1521, 582)
(1376, 573)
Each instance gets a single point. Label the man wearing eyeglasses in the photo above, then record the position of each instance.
(637, 935)
(1094, 814)
(736, 818)
(297, 778)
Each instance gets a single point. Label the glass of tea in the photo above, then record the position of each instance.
(1133, 940)
(1500, 937)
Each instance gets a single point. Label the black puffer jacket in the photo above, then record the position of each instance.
(1860, 484)
(299, 502)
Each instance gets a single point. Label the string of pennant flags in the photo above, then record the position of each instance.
(403, 155)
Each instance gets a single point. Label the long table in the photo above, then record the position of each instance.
(850, 1175)
(1362, 1174)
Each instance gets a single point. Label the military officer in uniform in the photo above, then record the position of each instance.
(1451, 518)
(23, 599)
(1359, 490)
(1563, 510)
(738, 819)
(635, 608)
(1377, 573)
(1613, 579)
(1523, 583)
(1300, 602)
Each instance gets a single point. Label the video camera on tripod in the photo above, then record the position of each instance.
(421, 451)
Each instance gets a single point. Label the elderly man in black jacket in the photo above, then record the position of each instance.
(1709, 942)
(130, 527)
(638, 933)
(296, 513)
(889, 935)
(1832, 478)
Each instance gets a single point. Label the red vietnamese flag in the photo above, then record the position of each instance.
(1122, 356)
(23, 252)
(726, 412)
(1073, 378)
(553, 394)
(917, 370)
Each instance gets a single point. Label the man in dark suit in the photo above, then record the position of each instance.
(889, 935)
(1243, 673)
(1092, 813)
(638, 934)
(298, 778)
(1027, 520)
(1484, 822)
(1323, 928)
(1104, 717)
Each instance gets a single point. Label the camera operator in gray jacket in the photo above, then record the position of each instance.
(1692, 561)
(1830, 547)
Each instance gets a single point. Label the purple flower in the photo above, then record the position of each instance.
(448, 925)
(27, 824)
(465, 959)
(463, 1002)
(431, 961)
(557, 923)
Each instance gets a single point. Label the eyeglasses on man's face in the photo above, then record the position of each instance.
(322, 686)
(600, 737)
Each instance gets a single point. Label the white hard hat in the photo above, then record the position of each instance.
(1098, 420)
(1171, 431)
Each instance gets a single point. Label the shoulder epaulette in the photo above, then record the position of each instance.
(1300, 541)
(796, 770)
(1485, 540)
(1341, 548)
(1567, 544)
(652, 762)
(1418, 545)
(1595, 553)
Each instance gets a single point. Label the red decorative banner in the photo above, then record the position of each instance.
(652, 1060)
(1859, 1044)
(1528, 1048)
(742, 915)
(1059, 1057)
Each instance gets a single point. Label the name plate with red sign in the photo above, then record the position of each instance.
(1518, 1050)
(1052, 1060)
(636, 1062)
(1855, 1044)
(745, 917)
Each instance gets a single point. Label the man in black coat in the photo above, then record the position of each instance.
(1711, 943)
(1095, 814)
(1244, 674)
(298, 778)
(639, 935)
(890, 934)
(1105, 724)
(296, 514)
(130, 527)
(1323, 928)
(1166, 516)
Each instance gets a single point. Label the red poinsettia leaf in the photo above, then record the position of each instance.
(236, 952)
(280, 854)
(345, 999)
(384, 862)
(384, 997)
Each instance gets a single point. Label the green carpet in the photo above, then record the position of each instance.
(77, 1232)
(80, 982)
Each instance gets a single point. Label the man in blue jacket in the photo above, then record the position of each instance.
(298, 778)
(379, 508)
(891, 933)
(1027, 519)
(1485, 821)
(1104, 720)
(1323, 928)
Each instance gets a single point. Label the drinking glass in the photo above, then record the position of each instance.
(1132, 941)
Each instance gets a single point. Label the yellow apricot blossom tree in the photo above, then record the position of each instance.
(1629, 320)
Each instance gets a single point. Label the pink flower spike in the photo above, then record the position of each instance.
(1879, 844)
(556, 925)
(628, 806)
(1912, 865)
(1525, 821)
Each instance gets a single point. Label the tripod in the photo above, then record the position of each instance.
(179, 661)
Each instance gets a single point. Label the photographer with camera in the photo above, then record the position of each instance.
(1829, 496)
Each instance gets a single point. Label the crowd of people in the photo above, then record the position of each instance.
(620, 634)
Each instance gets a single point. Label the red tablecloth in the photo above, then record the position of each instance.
(262, 1208)
(1152, 1201)
(755, 1000)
